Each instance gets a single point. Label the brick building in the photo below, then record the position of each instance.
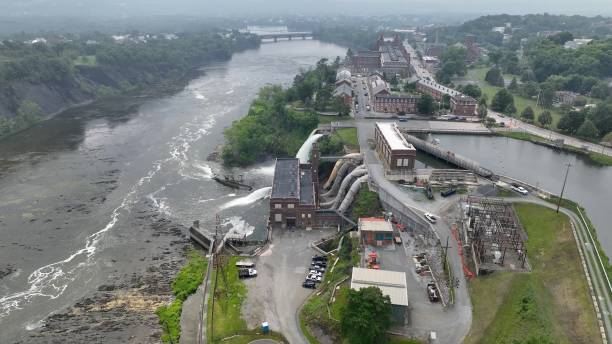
(293, 201)
(375, 231)
(434, 89)
(462, 105)
(393, 150)
(396, 103)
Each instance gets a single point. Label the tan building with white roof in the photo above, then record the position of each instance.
(393, 150)
(390, 283)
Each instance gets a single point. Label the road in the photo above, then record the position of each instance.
(453, 324)
(600, 282)
(276, 294)
(549, 134)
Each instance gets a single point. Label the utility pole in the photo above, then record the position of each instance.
(563, 188)
(446, 252)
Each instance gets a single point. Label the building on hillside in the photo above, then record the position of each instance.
(564, 98)
(391, 283)
(473, 50)
(463, 105)
(393, 150)
(577, 43)
(375, 231)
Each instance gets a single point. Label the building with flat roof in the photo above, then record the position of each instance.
(391, 283)
(389, 56)
(293, 200)
(393, 150)
(375, 231)
(434, 89)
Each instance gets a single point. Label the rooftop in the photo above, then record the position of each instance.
(306, 187)
(392, 135)
(391, 283)
(436, 86)
(286, 174)
(374, 224)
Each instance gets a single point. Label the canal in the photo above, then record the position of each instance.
(587, 183)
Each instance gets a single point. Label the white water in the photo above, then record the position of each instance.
(51, 280)
(239, 226)
(304, 153)
(265, 170)
(248, 199)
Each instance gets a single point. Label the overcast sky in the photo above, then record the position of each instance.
(95, 8)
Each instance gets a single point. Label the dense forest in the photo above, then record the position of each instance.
(521, 26)
(280, 120)
(38, 79)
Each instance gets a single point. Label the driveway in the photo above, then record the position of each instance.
(276, 294)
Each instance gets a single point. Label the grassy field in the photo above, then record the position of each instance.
(228, 302)
(185, 283)
(478, 74)
(549, 305)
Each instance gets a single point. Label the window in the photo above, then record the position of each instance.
(379, 236)
(290, 205)
(278, 217)
(278, 206)
(309, 216)
(303, 215)
(399, 162)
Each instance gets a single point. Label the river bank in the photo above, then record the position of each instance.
(103, 195)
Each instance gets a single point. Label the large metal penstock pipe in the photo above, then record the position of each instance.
(350, 194)
(332, 175)
(341, 173)
(359, 171)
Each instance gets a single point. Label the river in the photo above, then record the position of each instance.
(77, 191)
(587, 183)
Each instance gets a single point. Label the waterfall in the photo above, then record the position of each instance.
(248, 199)
(304, 153)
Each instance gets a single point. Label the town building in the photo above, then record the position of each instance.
(392, 148)
(391, 283)
(389, 56)
(473, 50)
(375, 231)
(344, 88)
(431, 63)
(293, 200)
(389, 102)
(564, 98)
(434, 49)
(463, 105)
(434, 89)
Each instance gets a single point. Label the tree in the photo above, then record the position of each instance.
(528, 114)
(494, 77)
(472, 90)
(366, 316)
(545, 118)
(340, 106)
(600, 90)
(571, 122)
(501, 100)
(425, 105)
(510, 110)
(561, 37)
(495, 56)
(588, 131)
(513, 85)
(482, 111)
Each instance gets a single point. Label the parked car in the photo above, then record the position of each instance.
(403, 119)
(319, 258)
(319, 262)
(318, 268)
(431, 218)
(520, 190)
(448, 192)
(309, 284)
(433, 293)
(314, 278)
(246, 272)
(315, 272)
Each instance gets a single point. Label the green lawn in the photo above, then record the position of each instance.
(85, 60)
(478, 74)
(228, 302)
(551, 304)
(185, 283)
(348, 136)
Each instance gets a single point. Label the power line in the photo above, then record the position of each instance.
(563, 188)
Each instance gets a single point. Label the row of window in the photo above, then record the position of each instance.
(279, 217)
(403, 162)
(280, 206)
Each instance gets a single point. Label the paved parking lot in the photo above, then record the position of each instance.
(276, 294)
